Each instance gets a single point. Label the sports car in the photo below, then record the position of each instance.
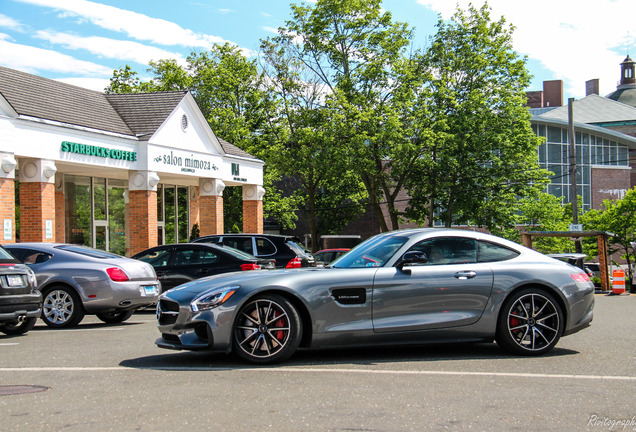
(403, 287)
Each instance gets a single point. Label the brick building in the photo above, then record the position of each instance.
(119, 172)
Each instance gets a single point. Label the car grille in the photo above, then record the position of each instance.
(29, 307)
(167, 312)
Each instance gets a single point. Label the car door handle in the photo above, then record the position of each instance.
(465, 274)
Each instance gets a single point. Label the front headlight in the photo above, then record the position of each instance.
(212, 299)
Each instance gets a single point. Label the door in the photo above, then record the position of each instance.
(449, 290)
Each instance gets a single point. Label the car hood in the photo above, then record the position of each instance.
(253, 278)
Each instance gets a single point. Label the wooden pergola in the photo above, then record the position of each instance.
(601, 236)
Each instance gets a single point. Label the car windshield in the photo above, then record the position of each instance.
(374, 252)
(94, 253)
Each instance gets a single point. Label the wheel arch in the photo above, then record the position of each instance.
(558, 296)
(301, 308)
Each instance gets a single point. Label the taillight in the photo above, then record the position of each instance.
(116, 274)
(580, 277)
(295, 263)
(250, 266)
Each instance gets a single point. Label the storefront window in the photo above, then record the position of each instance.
(182, 214)
(117, 216)
(170, 213)
(172, 208)
(99, 197)
(77, 196)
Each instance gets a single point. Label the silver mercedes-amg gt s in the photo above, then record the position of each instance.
(400, 287)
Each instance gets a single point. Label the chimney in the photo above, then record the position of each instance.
(591, 87)
(553, 93)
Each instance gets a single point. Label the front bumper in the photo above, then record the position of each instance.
(183, 329)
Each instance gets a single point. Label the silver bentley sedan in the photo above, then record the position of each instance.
(78, 280)
(402, 287)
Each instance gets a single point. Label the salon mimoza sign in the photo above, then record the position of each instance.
(185, 163)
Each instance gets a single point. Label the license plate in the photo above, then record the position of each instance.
(15, 281)
(150, 290)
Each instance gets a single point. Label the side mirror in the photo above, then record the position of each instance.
(412, 257)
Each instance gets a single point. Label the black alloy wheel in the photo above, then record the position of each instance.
(267, 330)
(530, 323)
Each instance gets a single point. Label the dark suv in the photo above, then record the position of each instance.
(286, 250)
(20, 300)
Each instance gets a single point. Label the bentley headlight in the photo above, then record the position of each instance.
(211, 299)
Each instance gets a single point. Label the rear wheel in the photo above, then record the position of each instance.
(17, 327)
(530, 323)
(61, 307)
(267, 330)
(115, 317)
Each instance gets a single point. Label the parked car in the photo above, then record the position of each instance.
(286, 250)
(400, 287)
(325, 256)
(183, 262)
(20, 300)
(575, 259)
(78, 280)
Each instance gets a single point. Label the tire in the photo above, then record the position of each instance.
(115, 317)
(530, 323)
(61, 307)
(14, 328)
(267, 330)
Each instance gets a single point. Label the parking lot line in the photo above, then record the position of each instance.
(325, 370)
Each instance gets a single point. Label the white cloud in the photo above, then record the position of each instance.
(575, 40)
(270, 29)
(110, 48)
(133, 24)
(10, 23)
(30, 59)
(226, 11)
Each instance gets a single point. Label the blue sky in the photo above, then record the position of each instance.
(82, 42)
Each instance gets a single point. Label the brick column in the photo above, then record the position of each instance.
(37, 200)
(142, 211)
(211, 206)
(60, 210)
(253, 209)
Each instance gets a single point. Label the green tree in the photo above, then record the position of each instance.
(307, 154)
(484, 156)
(354, 51)
(617, 217)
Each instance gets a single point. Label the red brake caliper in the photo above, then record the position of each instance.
(514, 322)
(280, 335)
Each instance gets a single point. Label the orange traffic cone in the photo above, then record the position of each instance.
(618, 282)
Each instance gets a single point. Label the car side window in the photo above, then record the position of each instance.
(31, 256)
(491, 252)
(448, 250)
(241, 243)
(157, 258)
(265, 247)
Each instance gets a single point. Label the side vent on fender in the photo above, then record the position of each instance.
(349, 296)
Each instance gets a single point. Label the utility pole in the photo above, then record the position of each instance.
(573, 185)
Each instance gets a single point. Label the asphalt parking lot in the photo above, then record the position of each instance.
(103, 377)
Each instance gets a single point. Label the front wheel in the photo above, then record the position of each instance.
(530, 323)
(115, 317)
(61, 307)
(14, 328)
(267, 330)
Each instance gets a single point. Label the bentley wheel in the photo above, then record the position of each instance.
(267, 330)
(530, 323)
(14, 328)
(61, 307)
(115, 317)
